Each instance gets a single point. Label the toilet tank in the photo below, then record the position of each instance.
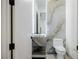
(57, 42)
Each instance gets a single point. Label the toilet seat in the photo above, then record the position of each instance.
(60, 48)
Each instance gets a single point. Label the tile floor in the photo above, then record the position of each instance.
(54, 57)
(66, 57)
(50, 56)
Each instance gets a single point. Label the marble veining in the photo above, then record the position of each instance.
(56, 21)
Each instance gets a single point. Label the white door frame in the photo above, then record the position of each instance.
(71, 28)
(5, 29)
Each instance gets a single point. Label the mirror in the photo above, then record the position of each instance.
(40, 17)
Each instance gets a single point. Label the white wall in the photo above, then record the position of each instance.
(23, 29)
(71, 28)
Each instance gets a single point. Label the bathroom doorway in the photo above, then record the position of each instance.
(41, 29)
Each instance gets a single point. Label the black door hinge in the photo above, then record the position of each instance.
(77, 47)
(12, 2)
(11, 46)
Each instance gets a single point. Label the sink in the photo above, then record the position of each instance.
(39, 39)
(39, 35)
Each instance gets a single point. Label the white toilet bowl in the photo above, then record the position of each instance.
(59, 48)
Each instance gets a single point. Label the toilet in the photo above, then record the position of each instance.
(59, 48)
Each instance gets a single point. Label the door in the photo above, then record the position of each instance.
(23, 29)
